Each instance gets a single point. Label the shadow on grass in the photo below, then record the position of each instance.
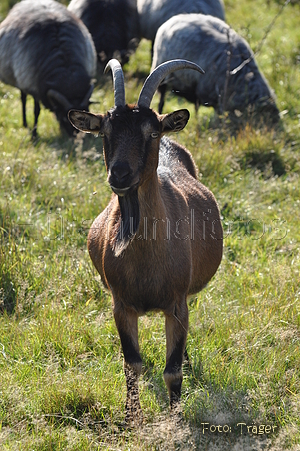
(82, 414)
(83, 145)
(268, 162)
(8, 290)
(8, 293)
(210, 417)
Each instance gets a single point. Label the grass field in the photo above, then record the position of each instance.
(62, 385)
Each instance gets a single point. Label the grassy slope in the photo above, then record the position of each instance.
(61, 379)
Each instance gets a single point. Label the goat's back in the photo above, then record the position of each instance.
(172, 156)
(204, 232)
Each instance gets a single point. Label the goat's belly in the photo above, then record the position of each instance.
(146, 287)
(163, 299)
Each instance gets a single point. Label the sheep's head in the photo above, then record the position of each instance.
(60, 105)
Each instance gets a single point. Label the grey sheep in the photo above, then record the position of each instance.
(113, 25)
(48, 53)
(153, 13)
(232, 81)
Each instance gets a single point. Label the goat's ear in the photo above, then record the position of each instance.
(84, 121)
(174, 122)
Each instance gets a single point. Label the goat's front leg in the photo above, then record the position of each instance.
(127, 324)
(176, 334)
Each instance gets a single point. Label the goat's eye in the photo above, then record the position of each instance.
(101, 134)
(154, 135)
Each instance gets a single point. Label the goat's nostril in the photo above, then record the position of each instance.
(120, 171)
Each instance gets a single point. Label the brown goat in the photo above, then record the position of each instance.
(160, 238)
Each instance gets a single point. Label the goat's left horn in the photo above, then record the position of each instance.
(118, 80)
(156, 77)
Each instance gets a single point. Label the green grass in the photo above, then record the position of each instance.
(62, 385)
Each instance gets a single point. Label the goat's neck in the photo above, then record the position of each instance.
(149, 195)
(143, 216)
(152, 207)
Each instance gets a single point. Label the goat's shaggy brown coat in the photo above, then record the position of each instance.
(160, 237)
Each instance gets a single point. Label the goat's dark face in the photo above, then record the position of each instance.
(130, 141)
(131, 137)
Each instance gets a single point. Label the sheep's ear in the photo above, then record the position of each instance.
(174, 122)
(84, 121)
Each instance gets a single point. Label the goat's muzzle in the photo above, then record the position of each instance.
(120, 191)
(120, 179)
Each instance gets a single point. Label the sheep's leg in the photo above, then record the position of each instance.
(127, 324)
(23, 99)
(176, 334)
(37, 110)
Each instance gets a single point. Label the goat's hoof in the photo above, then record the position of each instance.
(134, 418)
(176, 414)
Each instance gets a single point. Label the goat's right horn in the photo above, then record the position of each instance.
(156, 77)
(118, 81)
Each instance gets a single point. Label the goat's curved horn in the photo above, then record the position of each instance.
(160, 72)
(52, 94)
(118, 80)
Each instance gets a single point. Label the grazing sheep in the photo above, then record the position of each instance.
(160, 238)
(232, 80)
(113, 25)
(47, 52)
(153, 13)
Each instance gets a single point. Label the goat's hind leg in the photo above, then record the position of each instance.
(127, 324)
(176, 334)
